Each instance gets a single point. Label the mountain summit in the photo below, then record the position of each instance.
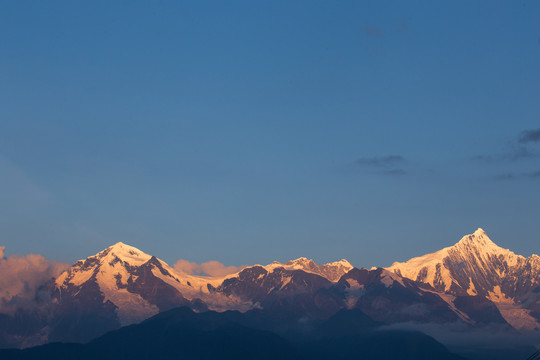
(476, 266)
(122, 283)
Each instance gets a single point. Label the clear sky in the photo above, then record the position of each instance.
(253, 131)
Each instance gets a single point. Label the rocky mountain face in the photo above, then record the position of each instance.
(476, 267)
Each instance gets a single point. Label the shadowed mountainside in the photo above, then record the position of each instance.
(183, 334)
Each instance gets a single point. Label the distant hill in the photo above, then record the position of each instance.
(184, 334)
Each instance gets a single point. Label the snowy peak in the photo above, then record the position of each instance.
(479, 232)
(331, 271)
(478, 238)
(477, 266)
(480, 247)
(434, 268)
(128, 254)
(335, 270)
(135, 284)
(302, 264)
(475, 255)
(302, 261)
(138, 285)
(342, 262)
(86, 269)
(479, 241)
(115, 267)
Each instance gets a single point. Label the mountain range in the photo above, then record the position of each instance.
(473, 288)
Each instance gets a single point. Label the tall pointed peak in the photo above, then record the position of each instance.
(479, 232)
(478, 238)
(479, 242)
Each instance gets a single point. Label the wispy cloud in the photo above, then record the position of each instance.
(211, 268)
(522, 148)
(529, 136)
(515, 153)
(518, 149)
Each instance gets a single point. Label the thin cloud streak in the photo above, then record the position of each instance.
(515, 154)
(519, 149)
(389, 160)
(518, 176)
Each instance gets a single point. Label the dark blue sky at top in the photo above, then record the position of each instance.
(253, 131)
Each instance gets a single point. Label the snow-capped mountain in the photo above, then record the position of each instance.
(477, 266)
(118, 286)
(259, 284)
(331, 271)
(268, 286)
(135, 284)
(122, 285)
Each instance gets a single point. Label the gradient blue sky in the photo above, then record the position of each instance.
(253, 131)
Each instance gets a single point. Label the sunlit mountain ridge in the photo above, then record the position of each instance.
(473, 285)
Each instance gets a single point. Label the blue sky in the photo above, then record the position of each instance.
(253, 131)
